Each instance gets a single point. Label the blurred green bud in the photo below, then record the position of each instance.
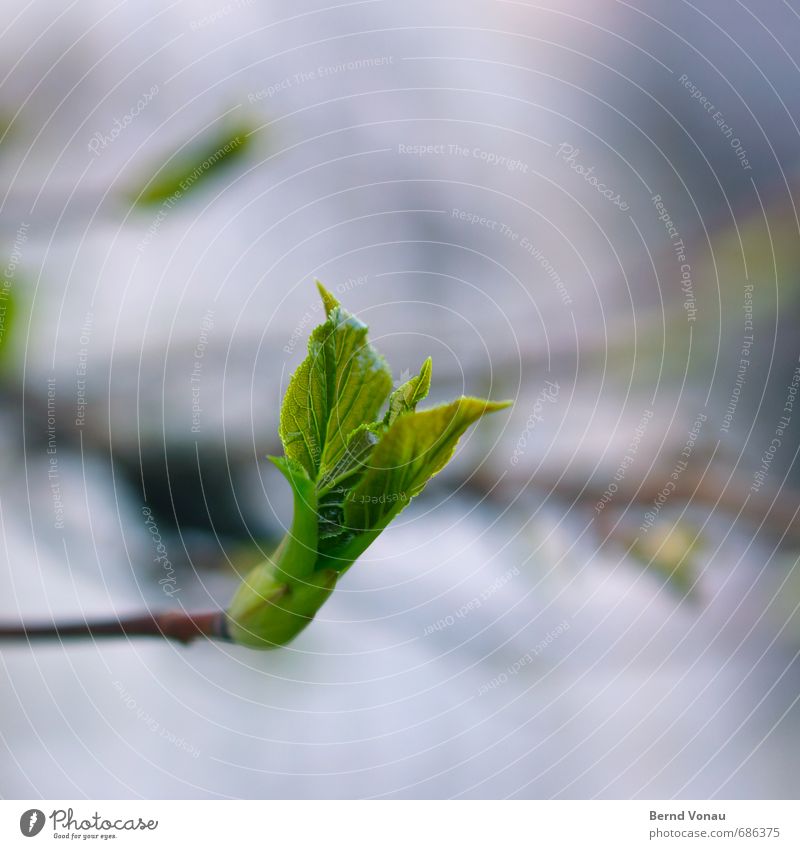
(7, 312)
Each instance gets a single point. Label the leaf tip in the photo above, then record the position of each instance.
(425, 374)
(423, 382)
(481, 406)
(328, 300)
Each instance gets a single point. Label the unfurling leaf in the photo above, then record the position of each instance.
(341, 384)
(405, 398)
(411, 452)
(351, 471)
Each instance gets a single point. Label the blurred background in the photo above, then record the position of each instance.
(588, 207)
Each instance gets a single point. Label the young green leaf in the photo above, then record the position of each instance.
(414, 448)
(340, 385)
(328, 300)
(7, 311)
(354, 458)
(406, 398)
(350, 471)
(193, 165)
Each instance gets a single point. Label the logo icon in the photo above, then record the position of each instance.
(405, 375)
(31, 822)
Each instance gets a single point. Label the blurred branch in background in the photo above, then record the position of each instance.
(171, 625)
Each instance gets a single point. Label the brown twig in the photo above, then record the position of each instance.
(775, 510)
(171, 625)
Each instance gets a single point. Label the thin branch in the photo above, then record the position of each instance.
(170, 625)
(775, 510)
